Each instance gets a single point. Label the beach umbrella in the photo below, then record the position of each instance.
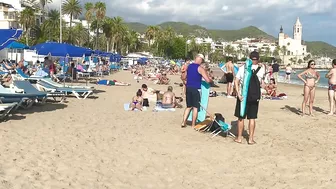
(61, 50)
(17, 45)
(8, 36)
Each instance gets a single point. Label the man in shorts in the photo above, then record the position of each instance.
(251, 107)
(331, 75)
(229, 76)
(193, 75)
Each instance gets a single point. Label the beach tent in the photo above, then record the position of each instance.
(8, 36)
(61, 50)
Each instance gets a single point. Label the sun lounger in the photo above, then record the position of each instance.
(28, 88)
(80, 93)
(24, 100)
(6, 109)
(20, 75)
(57, 85)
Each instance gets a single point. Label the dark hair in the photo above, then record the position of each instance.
(46, 58)
(230, 59)
(144, 86)
(272, 79)
(139, 92)
(186, 59)
(334, 62)
(310, 62)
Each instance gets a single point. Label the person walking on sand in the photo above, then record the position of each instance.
(311, 78)
(288, 73)
(331, 75)
(229, 76)
(252, 104)
(276, 69)
(193, 76)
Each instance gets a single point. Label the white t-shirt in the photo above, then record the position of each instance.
(241, 70)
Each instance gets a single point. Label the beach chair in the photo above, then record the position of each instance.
(20, 75)
(23, 100)
(28, 88)
(57, 85)
(6, 109)
(80, 93)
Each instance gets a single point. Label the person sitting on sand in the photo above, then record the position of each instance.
(271, 88)
(311, 79)
(137, 101)
(147, 93)
(169, 99)
(163, 80)
(111, 82)
(331, 75)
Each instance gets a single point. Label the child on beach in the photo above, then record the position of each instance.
(137, 101)
(331, 75)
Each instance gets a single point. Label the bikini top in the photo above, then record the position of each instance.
(310, 76)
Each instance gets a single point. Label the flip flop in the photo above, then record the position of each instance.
(183, 125)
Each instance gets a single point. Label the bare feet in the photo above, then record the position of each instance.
(331, 114)
(251, 142)
(238, 140)
(183, 125)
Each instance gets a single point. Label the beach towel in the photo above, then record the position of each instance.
(160, 109)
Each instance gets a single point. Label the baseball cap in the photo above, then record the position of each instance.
(254, 55)
(201, 56)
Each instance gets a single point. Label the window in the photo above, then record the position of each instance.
(298, 30)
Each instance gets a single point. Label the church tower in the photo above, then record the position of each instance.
(297, 30)
(281, 37)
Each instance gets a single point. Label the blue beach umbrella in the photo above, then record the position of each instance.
(8, 36)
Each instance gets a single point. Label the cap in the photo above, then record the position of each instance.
(201, 56)
(254, 55)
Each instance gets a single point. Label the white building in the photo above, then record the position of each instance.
(294, 47)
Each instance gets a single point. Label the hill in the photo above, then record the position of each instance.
(321, 48)
(314, 47)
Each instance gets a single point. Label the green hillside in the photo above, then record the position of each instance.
(321, 48)
(314, 47)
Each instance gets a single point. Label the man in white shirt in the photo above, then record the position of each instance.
(251, 107)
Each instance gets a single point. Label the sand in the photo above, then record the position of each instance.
(94, 143)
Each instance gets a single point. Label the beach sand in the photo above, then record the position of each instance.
(95, 144)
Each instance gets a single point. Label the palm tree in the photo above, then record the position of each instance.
(283, 51)
(100, 9)
(119, 33)
(51, 25)
(107, 27)
(133, 40)
(27, 20)
(268, 51)
(73, 9)
(89, 8)
(81, 32)
(277, 50)
(152, 34)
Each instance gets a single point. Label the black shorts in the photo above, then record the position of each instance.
(251, 110)
(229, 77)
(145, 102)
(193, 98)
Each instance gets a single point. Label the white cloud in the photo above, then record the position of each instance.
(220, 14)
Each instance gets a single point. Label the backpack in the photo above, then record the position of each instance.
(254, 94)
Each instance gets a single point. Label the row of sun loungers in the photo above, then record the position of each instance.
(23, 94)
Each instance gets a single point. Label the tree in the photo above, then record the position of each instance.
(51, 26)
(100, 8)
(177, 48)
(284, 52)
(89, 8)
(73, 9)
(27, 20)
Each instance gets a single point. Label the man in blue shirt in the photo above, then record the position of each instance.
(193, 76)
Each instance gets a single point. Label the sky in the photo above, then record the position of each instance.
(317, 16)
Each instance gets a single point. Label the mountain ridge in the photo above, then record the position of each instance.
(185, 29)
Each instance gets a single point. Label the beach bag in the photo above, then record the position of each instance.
(254, 94)
(219, 118)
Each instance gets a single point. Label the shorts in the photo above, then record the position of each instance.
(167, 105)
(193, 98)
(332, 87)
(145, 102)
(229, 77)
(110, 82)
(251, 110)
(287, 73)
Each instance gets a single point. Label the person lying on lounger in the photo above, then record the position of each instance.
(137, 101)
(111, 82)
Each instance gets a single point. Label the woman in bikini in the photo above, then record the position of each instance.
(271, 88)
(310, 77)
(137, 101)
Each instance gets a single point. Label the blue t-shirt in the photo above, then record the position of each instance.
(194, 79)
